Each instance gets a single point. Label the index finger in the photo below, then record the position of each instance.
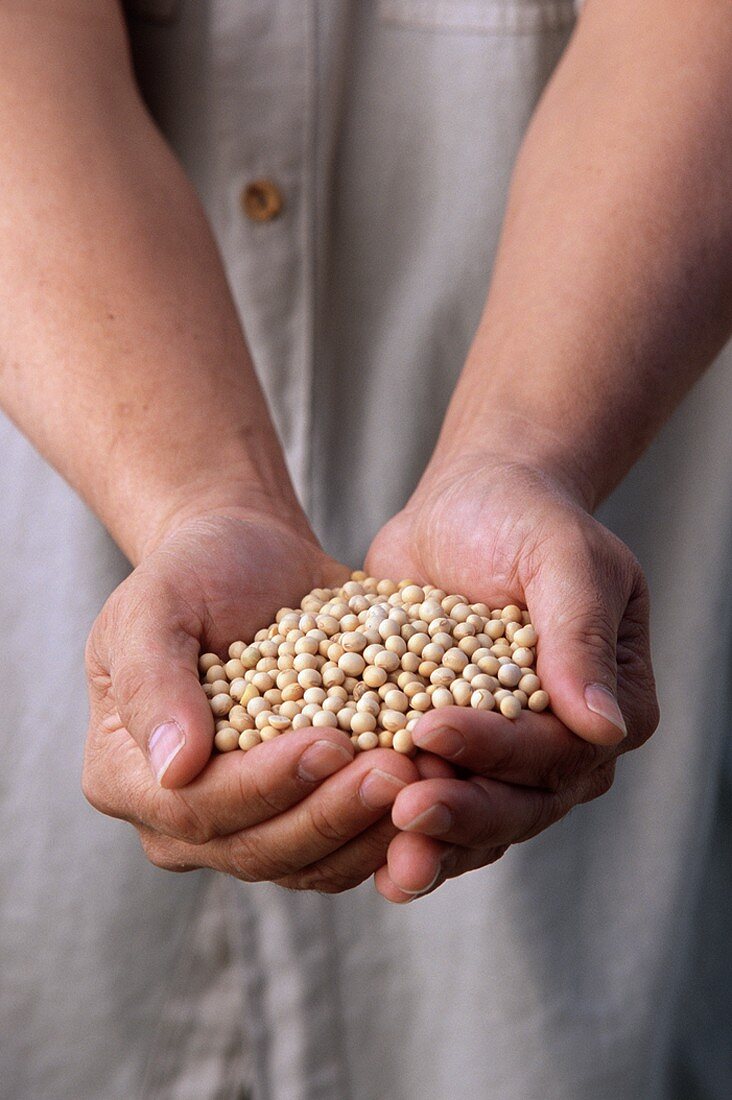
(534, 750)
(235, 791)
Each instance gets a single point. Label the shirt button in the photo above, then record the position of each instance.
(261, 200)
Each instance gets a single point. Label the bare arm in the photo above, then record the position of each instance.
(122, 358)
(612, 289)
(121, 355)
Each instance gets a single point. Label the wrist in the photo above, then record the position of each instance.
(238, 502)
(508, 441)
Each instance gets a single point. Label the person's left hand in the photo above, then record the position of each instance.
(501, 534)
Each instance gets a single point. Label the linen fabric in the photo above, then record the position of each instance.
(591, 962)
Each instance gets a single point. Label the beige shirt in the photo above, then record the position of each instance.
(386, 130)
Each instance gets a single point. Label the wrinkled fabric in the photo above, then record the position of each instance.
(590, 963)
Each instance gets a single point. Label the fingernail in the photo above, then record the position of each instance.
(166, 741)
(434, 822)
(443, 740)
(379, 789)
(425, 889)
(600, 700)
(322, 759)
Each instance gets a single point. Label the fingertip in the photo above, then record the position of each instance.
(174, 758)
(398, 764)
(323, 758)
(600, 700)
(180, 746)
(180, 774)
(166, 741)
(590, 712)
(440, 736)
(414, 863)
(388, 890)
(402, 810)
(163, 707)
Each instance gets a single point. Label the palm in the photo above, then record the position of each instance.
(464, 535)
(233, 575)
(216, 580)
(513, 536)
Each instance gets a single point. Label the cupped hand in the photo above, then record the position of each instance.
(505, 533)
(298, 810)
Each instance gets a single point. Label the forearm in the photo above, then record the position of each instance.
(121, 355)
(612, 288)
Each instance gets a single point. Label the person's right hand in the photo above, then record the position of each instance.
(299, 810)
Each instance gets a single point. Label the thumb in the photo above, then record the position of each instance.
(153, 664)
(577, 611)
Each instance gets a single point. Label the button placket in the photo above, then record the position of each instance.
(262, 112)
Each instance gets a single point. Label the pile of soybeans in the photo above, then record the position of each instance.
(371, 658)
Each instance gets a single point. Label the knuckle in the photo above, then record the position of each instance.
(156, 855)
(99, 788)
(297, 882)
(505, 756)
(590, 623)
(545, 810)
(327, 828)
(162, 854)
(130, 685)
(641, 595)
(598, 645)
(179, 819)
(489, 819)
(246, 861)
(104, 630)
(633, 570)
(599, 782)
(574, 762)
(495, 854)
(634, 639)
(91, 791)
(653, 717)
(646, 724)
(624, 573)
(640, 705)
(97, 673)
(252, 789)
(89, 770)
(324, 879)
(92, 658)
(341, 873)
(599, 637)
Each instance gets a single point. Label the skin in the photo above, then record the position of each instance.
(617, 239)
(251, 815)
(589, 603)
